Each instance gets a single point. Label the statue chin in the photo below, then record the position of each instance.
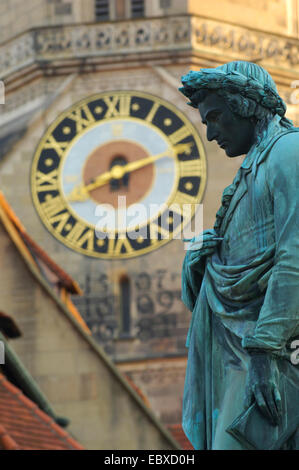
(231, 153)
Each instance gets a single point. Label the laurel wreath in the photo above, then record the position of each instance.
(232, 83)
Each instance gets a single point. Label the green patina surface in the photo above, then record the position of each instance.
(244, 298)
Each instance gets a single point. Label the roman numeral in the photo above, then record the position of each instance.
(62, 219)
(81, 121)
(179, 135)
(190, 167)
(110, 247)
(52, 206)
(122, 242)
(184, 148)
(124, 105)
(182, 198)
(59, 147)
(89, 238)
(156, 230)
(152, 112)
(47, 181)
(76, 232)
(76, 236)
(124, 102)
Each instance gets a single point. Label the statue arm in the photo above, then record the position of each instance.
(191, 284)
(194, 265)
(279, 316)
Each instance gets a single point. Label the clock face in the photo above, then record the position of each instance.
(111, 174)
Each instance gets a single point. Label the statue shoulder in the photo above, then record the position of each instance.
(283, 163)
(287, 142)
(285, 150)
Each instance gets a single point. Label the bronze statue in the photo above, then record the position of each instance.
(241, 279)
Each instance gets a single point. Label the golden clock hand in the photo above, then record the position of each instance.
(118, 171)
(143, 162)
(152, 158)
(81, 192)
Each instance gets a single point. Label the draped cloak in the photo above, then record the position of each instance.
(245, 295)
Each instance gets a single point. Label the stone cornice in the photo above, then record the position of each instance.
(213, 37)
(149, 39)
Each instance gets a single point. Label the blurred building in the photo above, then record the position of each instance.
(57, 365)
(57, 53)
(27, 420)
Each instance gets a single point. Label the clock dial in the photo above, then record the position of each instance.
(111, 173)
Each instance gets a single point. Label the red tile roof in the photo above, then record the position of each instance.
(177, 432)
(24, 426)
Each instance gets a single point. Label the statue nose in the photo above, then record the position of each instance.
(212, 134)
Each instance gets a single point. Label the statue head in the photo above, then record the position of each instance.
(236, 101)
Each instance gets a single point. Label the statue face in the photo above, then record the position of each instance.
(233, 133)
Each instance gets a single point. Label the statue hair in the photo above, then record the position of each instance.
(247, 88)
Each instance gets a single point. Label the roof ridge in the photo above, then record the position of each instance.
(24, 380)
(66, 280)
(12, 388)
(17, 238)
(137, 390)
(64, 277)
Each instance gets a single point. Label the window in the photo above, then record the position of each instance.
(137, 8)
(118, 9)
(63, 9)
(102, 10)
(125, 304)
(165, 4)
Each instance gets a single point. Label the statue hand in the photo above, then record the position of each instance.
(202, 246)
(262, 386)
